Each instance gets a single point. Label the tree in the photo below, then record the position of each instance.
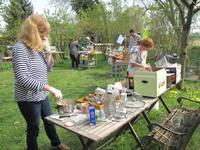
(95, 21)
(15, 13)
(78, 5)
(63, 29)
(186, 12)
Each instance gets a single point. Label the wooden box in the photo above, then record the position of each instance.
(150, 83)
(176, 70)
(126, 56)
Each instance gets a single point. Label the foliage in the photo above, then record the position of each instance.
(158, 25)
(79, 6)
(62, 29)
(94, 21)
(107, 26)
(15, 13)
(181, 24)
(76, 5)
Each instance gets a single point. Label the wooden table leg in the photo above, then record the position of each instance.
(135, 136)
(85, 143)
(164, 104)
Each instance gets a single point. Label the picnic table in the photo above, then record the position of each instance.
(60, 53)
(103, 129)
(110, 130)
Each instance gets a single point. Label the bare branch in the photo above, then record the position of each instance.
(185, 3)
(181, 10)
(145, 6)
(170, 13)
(160, 3)
(196, 10)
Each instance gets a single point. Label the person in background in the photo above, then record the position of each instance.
(135, 39)
(74, 55)
(90, 44)
(82, 43)
(138, 57)
(30, 66)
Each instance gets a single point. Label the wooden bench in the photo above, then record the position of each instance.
(175, 131)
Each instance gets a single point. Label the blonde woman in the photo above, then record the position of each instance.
(31, 60)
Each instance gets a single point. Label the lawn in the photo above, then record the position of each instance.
(74, 84)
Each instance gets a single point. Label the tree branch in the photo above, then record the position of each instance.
(181, 10)
(170, 13)
(145, 6)
(185, 3)
(196, 10)
(160, 3)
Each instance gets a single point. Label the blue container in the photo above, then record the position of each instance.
(92, 115)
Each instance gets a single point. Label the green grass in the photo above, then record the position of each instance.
(74, 84)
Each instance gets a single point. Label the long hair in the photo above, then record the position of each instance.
(33, 31)
(147, 42)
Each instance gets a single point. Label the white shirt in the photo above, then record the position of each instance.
(137, 57)
(134, 42)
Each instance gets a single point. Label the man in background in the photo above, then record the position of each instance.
(135, 39)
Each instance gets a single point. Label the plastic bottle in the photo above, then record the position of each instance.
(92, 115)
(107, 98)
(112, 105)
(101, 115)
(123, 98)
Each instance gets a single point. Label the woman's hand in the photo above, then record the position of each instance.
(147, 67)
(46, 45)
(56, 93)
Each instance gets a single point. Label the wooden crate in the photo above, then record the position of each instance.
(150, 83)
(176, 70)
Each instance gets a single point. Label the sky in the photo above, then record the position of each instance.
(40, 5)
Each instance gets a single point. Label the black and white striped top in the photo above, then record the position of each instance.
(30, 71)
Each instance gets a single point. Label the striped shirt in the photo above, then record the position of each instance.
(30, 72)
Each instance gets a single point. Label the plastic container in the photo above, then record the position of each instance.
(112, 106)
(107, 98)
(92, 115)
(123, 97)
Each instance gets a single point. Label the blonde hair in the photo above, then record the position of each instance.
(33, 31)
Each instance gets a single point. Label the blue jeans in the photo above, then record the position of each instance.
(31, 112)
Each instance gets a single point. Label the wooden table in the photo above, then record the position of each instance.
(88, 59)
(117, 65)
(60, 53)
(8, 58)
(103, 130)
(5, 60)
(94, 134)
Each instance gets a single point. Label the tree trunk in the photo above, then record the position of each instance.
(183, 52)
(179, 34)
